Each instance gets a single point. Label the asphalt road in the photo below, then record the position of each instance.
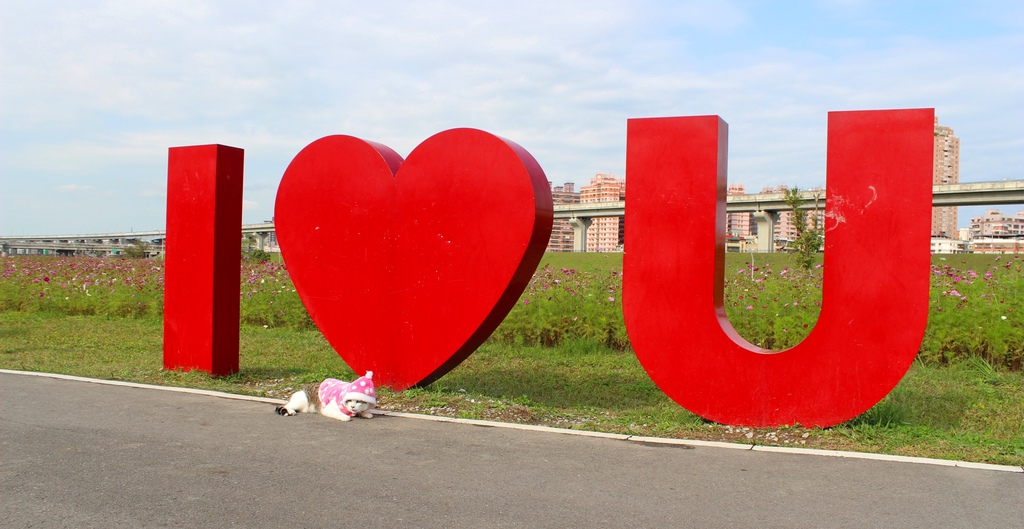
(79, 454)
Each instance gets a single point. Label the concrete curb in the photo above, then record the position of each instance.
(684, 443)
(205, 392)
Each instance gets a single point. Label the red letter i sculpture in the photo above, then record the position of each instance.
(201, 285)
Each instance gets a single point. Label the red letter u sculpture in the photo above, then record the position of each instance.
(876, 280)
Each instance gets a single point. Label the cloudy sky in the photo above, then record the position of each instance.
(93, 93)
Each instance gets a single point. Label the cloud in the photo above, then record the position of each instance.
(76, 189)
(96, 92)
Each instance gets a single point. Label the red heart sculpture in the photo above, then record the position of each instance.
(407, 267)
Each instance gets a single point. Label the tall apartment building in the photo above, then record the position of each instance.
(945, 170)
(739, 224)
(605, 233)
(561, 231)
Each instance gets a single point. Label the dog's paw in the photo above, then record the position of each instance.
(281, 410)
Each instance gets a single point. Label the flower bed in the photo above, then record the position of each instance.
(976, 302)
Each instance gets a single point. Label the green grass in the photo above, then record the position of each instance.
(275, 360)
(592, 261)
(967, 411)
(976, 305)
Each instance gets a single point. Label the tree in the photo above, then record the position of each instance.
(808, 239)
(251, 251)
(138, 250)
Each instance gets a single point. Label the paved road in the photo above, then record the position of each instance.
(79, 454)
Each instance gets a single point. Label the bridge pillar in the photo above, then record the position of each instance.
(263, 240)
(579, 232)
(766, 230)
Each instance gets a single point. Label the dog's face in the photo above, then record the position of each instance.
(356, 406)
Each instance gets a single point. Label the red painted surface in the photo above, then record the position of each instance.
(875, 290)
(407, 267)
(203, 253)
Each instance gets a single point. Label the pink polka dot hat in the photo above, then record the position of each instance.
(362, 389)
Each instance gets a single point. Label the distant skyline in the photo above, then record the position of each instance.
(92, 94)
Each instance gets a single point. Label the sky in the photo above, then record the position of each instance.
(92, 94)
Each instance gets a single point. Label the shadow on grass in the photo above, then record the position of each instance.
(580, 375)
(551, 390)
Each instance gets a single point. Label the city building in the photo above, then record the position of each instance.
(945, 170)
(739, 225)
(605, 234)
(561, 231)
(997, 225)
(999, 245)
(785, 227)
(947, 245)
(785, 230)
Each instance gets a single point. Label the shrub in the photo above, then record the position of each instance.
(563, 303)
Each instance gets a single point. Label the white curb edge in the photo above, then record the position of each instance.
(563, 431)
(205, 392)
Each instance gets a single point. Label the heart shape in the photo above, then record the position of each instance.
(408, 266)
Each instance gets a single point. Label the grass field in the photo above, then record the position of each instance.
(965, 408)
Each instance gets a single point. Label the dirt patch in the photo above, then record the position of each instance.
(504, 411)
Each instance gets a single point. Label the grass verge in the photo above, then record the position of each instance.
(967, 411)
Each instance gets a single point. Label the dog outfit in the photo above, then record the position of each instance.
(338, 391)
